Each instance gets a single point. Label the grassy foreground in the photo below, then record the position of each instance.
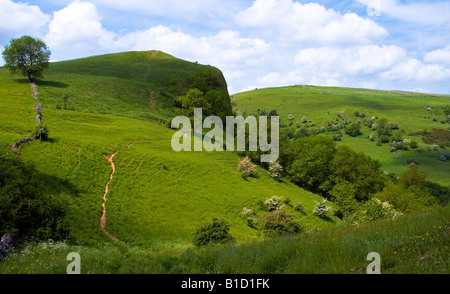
(416, 243)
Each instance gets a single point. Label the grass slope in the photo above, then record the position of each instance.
(157, 197)
(322, 104)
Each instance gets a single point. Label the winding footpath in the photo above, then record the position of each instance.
(103, 218)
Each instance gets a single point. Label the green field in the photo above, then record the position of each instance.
(158, 198)
(322, 104)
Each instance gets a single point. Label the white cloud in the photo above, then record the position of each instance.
(354, 60)
(412, 69)
(76, 30)
(440, 56)
(309, 23)
(435, 13)
(17, 19)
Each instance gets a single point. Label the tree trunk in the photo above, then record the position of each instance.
(30, 77)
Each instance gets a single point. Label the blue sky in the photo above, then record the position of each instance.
(380, 44)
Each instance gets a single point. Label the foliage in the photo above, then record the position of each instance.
(308, 162)
(353, 129)
(374, 210)
(321, 209)
(344, 195)
(215, 232)
(23, 205)
(194, 98)
(299, 207)
(273, 203)
(279, 223)
(247, 168)
(41, 132)
(357, 169)
(275, 170)
(27, 56)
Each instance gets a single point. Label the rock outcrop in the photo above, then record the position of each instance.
(8, 242)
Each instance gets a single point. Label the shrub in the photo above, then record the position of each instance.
(215, 232)
(356, 113)
(247, 212)
(413, 144)
(275, 170)
(337, 137)
(247, 168)
(41, 132)
(273, 203)
(321, 210)
(299, 207)
(280, 223)
(353, 129)
(376, 210)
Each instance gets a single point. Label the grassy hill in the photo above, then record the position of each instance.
(157, 198)
(320, 105)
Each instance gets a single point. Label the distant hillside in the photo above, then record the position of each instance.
(331, 110)
(141, 85)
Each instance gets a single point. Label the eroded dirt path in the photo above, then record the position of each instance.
(103, 218)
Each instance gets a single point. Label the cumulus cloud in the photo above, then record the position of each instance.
(440, 56)
(412, 69)
(20, 19)
(77, 30)
(354, 60)
(309, 23)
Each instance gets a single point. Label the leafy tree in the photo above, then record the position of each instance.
(311, 158)
(413, 177)
(194, 98)
(383, 129)
(27, 56)
(344, 195)
(353, 129)
(215, 232)
(357, 169)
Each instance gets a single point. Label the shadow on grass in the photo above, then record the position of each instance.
(54, 84)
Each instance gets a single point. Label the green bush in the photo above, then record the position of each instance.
(353, 129)
(299, 207)
(41, 132)
(215, 232)
(23, 205)
(280, 222)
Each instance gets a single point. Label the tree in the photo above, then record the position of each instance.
(311, 158)
(194, 98)
(27, 56)
(215, 232)
(353, 130)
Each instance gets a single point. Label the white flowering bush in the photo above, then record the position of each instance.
(321, 209)
(275, 170)
(247, 168)
(273, 203)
